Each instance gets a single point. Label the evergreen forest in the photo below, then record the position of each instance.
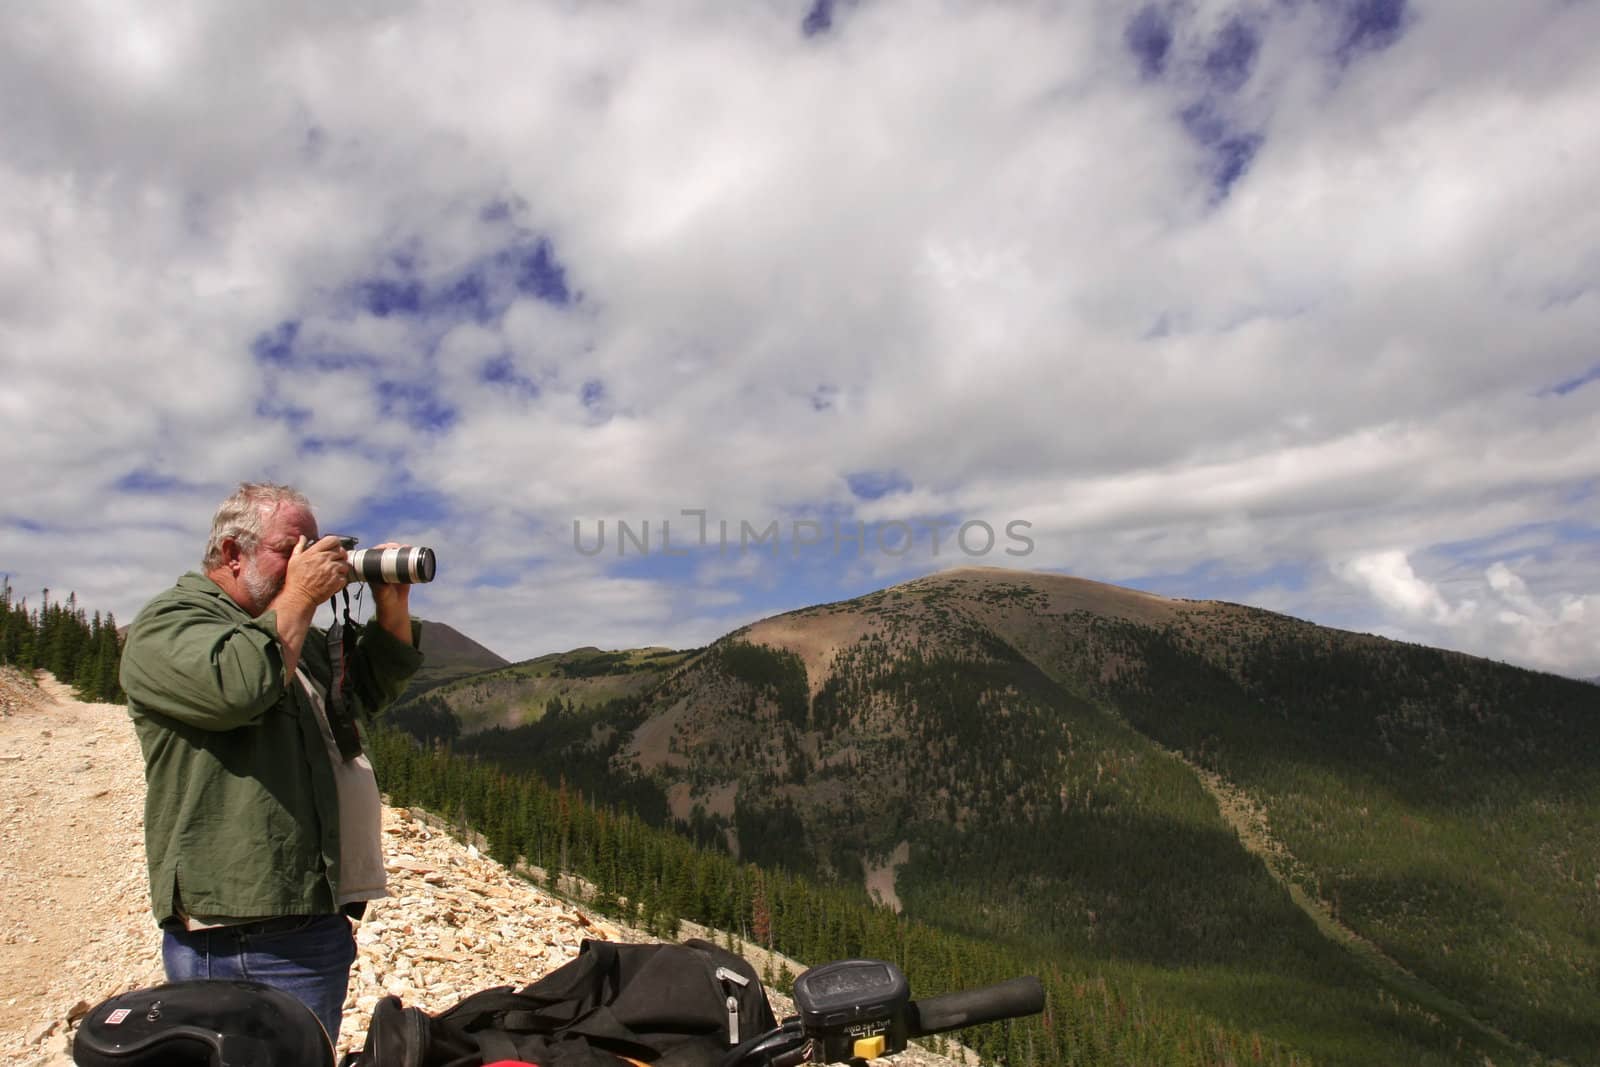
(61, 637)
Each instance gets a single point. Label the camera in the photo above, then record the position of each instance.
(392, 566)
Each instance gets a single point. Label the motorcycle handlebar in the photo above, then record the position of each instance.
(970, 1007)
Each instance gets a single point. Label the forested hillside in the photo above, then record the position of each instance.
(1011, 743)
(653, 878)
(60, 637)
(1447, 807)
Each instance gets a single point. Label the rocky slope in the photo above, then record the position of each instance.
(77, 928)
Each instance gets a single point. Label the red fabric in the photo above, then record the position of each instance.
(511, 1063)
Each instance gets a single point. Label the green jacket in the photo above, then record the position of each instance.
(241, 814)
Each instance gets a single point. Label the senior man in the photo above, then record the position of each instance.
(262, 840)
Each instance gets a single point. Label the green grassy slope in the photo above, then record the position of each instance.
(521, 692)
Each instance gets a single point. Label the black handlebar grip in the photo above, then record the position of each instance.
(952, 1011)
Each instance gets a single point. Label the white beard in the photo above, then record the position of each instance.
(262, 590)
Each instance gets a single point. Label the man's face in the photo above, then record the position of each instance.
(265, 568)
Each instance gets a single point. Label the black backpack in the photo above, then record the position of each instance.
(664, 1005)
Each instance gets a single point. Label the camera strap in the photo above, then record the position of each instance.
(341, 708)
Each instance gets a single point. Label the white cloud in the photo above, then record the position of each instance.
(1492, 613)
(1388, 575)
(966, 243)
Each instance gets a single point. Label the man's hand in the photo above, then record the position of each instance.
(392, 603)
(317, 571)
(314, 573)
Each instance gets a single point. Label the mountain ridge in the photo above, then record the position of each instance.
(1023, 757)
(448, 654)
(512, 694)
(992, 709)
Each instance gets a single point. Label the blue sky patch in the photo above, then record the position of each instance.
(593, 393)
(1203, 123)
(142, 480)
(1214, 579)
(539, 274)
(1369, 26)
(467, 297)
(870, 485)
(284, 346)
(1572, 385)
(317, 444)
(384, 297)
(277, 344)
(1232, 56)
(1535, 539)
(417, 404)
(1173, 583)
(496, 211)
(1231, 150)
(819, 19)
(383, 518)
(502, 371)
(1233, 157)
(480, 292)
(626, 559)
(271, 408)
(1148, 36)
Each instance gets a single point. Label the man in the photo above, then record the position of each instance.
(262, 840)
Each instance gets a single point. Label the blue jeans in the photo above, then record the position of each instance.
(306, 956)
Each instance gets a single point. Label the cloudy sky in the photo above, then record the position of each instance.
(1290, 302)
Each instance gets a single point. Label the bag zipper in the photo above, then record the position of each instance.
(725, 975)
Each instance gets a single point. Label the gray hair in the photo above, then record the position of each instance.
(243, 517)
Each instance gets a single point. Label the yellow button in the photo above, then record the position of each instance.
(869, 1048)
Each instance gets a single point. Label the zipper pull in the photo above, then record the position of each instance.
(726, 975)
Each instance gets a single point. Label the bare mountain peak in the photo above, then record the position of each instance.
(1093, 595)
(441, 640)
(1001, 598)
(1044, 592)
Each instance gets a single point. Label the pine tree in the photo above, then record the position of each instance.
(27, 638)
(6, 625)
(63, 643)
(108, 662)
(761, 915)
